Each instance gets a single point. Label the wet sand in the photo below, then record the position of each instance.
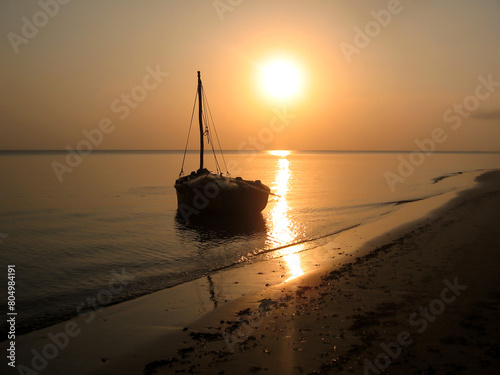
(419, 295)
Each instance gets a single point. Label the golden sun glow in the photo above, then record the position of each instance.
(281, 78)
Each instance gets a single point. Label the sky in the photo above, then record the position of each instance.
(374, 75)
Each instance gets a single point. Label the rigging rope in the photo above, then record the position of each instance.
(209, 122)
(216, 135)
(189, 132)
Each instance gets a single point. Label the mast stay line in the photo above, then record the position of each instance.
(204, 117)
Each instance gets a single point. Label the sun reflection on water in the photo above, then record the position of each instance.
(282, 153)
(283, 228)
(294, 266)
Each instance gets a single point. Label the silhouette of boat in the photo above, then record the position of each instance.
(202, 191)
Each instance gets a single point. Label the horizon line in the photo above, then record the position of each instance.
(253, 151)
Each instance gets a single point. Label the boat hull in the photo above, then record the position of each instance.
(214, 193)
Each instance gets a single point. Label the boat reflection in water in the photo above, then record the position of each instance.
(211, 226)
(283, 230)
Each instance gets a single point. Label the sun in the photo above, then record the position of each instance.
(281, 78)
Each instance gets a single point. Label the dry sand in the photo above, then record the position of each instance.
(418, 297)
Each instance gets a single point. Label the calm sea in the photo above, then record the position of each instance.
(116, 213)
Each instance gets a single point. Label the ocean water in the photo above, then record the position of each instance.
(114, 217)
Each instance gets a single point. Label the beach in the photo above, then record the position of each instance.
(417, 294)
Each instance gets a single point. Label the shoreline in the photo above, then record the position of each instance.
(146, 334)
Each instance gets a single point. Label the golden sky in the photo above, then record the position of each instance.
(374, 75)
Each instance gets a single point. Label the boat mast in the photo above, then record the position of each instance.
(200, 119)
